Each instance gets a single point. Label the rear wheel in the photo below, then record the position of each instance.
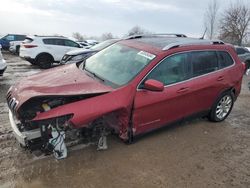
(222, 107)
(44, 61)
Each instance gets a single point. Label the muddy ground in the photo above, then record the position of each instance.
(197, 153)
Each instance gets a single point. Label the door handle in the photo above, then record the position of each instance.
(220, 78)
(183, 90)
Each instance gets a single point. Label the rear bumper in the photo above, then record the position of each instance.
(29, 59)
(23, 137)
(3, 66)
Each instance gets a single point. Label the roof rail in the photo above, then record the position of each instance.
(49, 36)
(155, 35)
(193, 42)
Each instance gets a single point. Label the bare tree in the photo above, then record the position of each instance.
(235, 23)
(106, 36)
(136, 30)
(210, 18)
(78, 36)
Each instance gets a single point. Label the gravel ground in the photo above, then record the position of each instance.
(197, 153)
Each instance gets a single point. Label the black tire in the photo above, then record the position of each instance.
(222, 107)
(17, 50)
(247, 65)
(32, 62)
(44, 61)
(130, 137)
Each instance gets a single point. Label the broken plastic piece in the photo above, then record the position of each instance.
(102, 143)
(57, 140)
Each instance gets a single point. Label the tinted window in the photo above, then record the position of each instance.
(59, 42)
(241, 51)
(9, 37)
(171, 70)
(225, 59)
(20, 37)
(71, 43)
(204, 62)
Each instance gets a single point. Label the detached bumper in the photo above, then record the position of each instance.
(25, 136)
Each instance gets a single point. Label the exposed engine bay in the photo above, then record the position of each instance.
(55, 135)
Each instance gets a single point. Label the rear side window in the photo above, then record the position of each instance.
(71, 43)
(225, 59)
(172, 70)
(204, 62)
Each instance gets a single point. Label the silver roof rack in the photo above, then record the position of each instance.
(155, 35)
(192, 42)
(49, 36)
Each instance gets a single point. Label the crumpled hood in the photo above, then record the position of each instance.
(79, 51)
(66, 80)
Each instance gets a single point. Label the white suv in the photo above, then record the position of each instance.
(46, 50)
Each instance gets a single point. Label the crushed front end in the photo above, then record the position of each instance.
(52, 135)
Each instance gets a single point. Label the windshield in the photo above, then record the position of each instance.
(103, 44)
(118, 64)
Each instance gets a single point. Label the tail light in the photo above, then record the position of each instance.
(29, 45)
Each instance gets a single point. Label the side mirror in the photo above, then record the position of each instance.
(153, 85)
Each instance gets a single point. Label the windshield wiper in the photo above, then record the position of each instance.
(94, 74)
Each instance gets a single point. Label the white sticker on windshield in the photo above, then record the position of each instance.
(146, 55)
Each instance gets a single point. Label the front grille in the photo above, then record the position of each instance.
(12, 103)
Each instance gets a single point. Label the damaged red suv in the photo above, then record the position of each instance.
(130, 88)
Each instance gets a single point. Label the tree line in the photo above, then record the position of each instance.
(230, 25)
(136, 30)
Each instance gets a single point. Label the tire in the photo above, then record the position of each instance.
(247, 65)
(44, 61)
(222, 107)
(32, 62)
(18, 50)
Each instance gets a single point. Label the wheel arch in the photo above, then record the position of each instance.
(46, 54)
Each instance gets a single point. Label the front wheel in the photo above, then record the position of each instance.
(222, 107)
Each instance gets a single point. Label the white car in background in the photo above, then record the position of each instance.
(15, 42)
(46, 50)
(3, 64)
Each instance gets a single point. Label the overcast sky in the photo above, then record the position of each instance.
(94, 17)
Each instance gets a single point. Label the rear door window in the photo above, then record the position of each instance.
(204, 62)
(58, 42)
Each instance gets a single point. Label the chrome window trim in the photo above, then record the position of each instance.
(165, 86)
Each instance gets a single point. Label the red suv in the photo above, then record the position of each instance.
(130, 88)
